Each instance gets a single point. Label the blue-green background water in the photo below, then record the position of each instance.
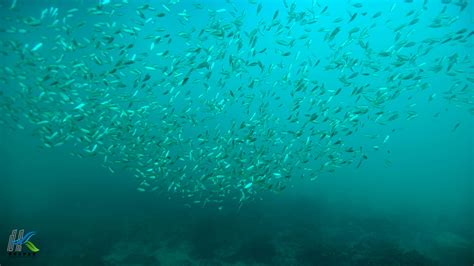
(416, 209)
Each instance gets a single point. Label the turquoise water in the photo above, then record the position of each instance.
(237, 132)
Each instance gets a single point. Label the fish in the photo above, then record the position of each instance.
(79, 106)
(456, 126)
(259, 8)
(228, 102)
(275, 15)
(37, 47)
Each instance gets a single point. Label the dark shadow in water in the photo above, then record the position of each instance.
(208, 235)
(259, 249)
(368, 252)
(322, 255)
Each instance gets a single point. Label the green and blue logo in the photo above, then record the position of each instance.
(16, 242)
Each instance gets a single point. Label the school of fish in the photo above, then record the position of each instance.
(208, 103)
